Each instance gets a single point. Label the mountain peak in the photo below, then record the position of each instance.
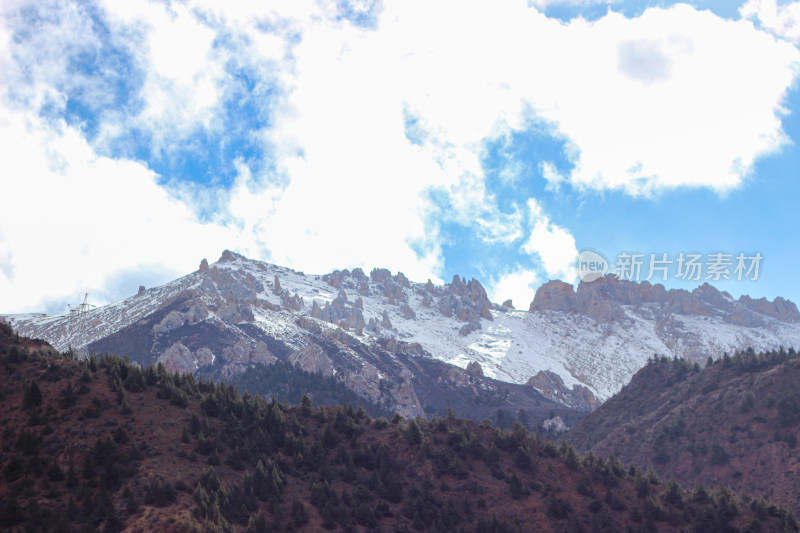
(228, 256)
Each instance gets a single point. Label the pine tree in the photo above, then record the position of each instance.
(414, 433)
(32, 397)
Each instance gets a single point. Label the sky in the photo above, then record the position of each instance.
(494, 140)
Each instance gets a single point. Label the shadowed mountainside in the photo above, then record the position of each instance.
(735, 422)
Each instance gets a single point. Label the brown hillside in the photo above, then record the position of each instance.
(735, 422)
(101, 445)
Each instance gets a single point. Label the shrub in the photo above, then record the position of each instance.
(558, 508)
(718, 455)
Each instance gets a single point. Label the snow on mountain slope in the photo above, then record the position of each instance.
(598, 337)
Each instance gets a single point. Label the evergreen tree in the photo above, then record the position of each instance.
(32, 397)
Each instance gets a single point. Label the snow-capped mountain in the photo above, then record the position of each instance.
(378, 332)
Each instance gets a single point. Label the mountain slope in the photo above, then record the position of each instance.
(577, 347)
(100, 444)
(735, 422)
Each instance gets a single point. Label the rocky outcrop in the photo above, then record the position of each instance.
(336, 278)
(276, 285)
(171, 322)
(381, 275)
(551, 385)
(603, 300)
(508, 305)
(356, 320)
(228, 256)
(554, 425)
(406, 396)
(555, 295)
(342, 312)
(176, 319)
(293, 303)
(179, 358)
(248, 352)
(469, 328)
(401, 279)
(464, 301)
(312, 358)
(232, 285)
(203, 266)
(385, 322)
(783, 310)
(204, 356)
(427, 301)
(359, 275)
(235, 313)
(474, 369)
(363, 288)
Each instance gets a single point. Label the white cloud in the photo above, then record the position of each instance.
(783, 21)
(183, 72)
(678, 98)
(554, 245)
(552, 176)
(673, 98)
(519, 286)
(71, 220)
(541, 4)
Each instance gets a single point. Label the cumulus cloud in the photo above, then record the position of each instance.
(554, 245)
(519, 286)
(783, 20)
(376, 118)
(72, 219)
(543, 4)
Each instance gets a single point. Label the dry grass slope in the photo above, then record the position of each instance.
(102, 445)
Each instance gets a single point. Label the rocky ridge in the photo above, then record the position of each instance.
(237, 312)
(228, 316)
(604, 299)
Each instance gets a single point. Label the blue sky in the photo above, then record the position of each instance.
(490, 141)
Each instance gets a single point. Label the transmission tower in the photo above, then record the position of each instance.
(76, 324)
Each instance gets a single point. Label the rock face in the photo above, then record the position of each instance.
(552, 386)
(595, 299)
(312, 358)
(247, 352)
(179, 358)
(779, 308)
(603, 299)
(555, 295)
